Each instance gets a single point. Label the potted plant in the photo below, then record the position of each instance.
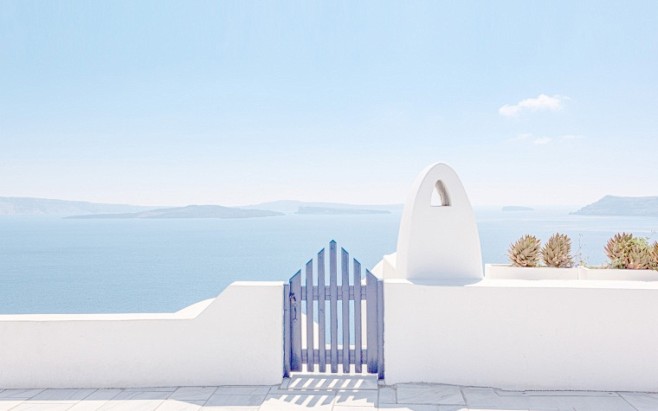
(630, 258)
(525, 255)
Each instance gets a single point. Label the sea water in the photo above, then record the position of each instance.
(55, 265)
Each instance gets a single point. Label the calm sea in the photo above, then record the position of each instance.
(54, 265)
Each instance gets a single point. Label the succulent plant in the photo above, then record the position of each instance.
(626, 251)
(640, 256)
(525, 251)
(618, 248)
(557, 251)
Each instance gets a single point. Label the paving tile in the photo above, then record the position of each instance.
(349, 408)
(136, 400)
(180, 405)
(42, 406)
(408, 407)
(356, 398)
(231, 400)
(488, 398)
(244, 389)
(13, 394)
(332, 382)
(151, 389)
(193, 393)
(429, 394)
(298, 401)
(641, 401)
(96, 399)
(387, 395)
(6, 405)
(597, 403)
(65, 395)
(500, 409)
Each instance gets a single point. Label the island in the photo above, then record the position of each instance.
(622, 206)
(293, 207)
(30, 206)
(338, 211)
(191, 211)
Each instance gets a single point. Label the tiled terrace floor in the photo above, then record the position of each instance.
(322, 392)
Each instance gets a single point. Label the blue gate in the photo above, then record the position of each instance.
(313, 310)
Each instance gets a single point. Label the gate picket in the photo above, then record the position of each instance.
(310, 325)
(371, 302)
(333, 306)
(357, 317)
(345, 288)
(321, 314)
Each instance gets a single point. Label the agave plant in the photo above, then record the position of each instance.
(557, 251)
(525, 251)
(617, 249)
(626, 251)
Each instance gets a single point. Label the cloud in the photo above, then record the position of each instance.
(543, 140)
(539, 103)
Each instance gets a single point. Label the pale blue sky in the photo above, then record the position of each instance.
(241, 102)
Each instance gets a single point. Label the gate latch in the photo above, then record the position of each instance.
(293, 305)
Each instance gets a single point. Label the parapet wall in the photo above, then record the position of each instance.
(233, 339)
(518, 334)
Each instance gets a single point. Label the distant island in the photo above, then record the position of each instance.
(622, 206)
(192, 211)
(338, 211)
(517, 208)
(28, 206)
(293, 206)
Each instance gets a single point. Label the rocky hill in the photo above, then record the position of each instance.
(622, 206)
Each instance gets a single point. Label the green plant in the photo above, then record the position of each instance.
(626, 251)
(654, 252)
(525, 251)
(557, 251)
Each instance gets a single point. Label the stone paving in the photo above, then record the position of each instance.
(323, 392)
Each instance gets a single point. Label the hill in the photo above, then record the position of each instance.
(622, 206)
(191, 211)
(294, 206)
(338, 211)
(28, 206)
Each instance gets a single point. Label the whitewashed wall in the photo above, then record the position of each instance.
(233, 339)
(515, 334)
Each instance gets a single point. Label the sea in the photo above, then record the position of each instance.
(57, 265)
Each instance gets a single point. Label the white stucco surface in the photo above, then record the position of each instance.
(233, 339)
(519, 334)
(437, 242)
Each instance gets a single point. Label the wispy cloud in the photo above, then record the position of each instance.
(539, 103)
(542, 140)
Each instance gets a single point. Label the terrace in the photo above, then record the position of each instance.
(322, 392)
(433, 331)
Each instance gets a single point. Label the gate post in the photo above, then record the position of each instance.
(286, 331)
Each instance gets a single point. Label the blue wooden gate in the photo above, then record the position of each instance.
(312, 335)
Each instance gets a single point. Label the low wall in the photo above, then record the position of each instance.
(233, 339)
(516, 334)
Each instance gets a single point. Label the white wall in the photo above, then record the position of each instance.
(515, 334)
(236, 338)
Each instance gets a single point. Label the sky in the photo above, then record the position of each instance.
(240, 102)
